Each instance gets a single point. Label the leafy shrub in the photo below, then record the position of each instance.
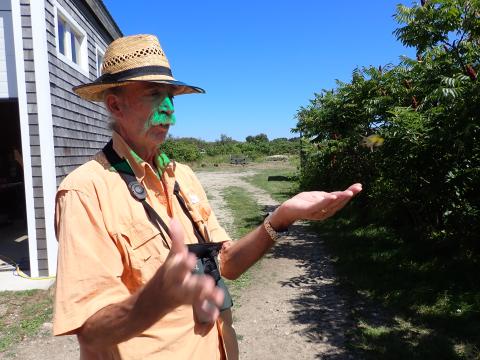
(423, 176)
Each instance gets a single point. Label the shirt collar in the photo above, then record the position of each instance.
(137, 164)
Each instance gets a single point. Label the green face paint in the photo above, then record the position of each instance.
(162, 114)
(162, 161)
(137, 158)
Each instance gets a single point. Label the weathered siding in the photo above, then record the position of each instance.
(80, 127)
(34, 137)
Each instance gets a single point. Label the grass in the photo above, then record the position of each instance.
(247, 215)
(278, 182)
(222, 162)
(24, 314)
(411, 304)
(211, 163)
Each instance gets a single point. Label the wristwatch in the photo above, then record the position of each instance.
(274, 234)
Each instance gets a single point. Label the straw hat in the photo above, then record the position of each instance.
(134, 58)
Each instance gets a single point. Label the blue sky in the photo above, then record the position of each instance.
(260, 61)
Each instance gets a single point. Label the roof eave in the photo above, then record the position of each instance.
(101, 12)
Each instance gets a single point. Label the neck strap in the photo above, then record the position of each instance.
(139, 193)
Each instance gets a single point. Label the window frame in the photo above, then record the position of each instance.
(71, 26)
(98, 50)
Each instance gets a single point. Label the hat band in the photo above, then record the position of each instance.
(131, 73)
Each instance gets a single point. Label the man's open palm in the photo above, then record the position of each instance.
(318, 205)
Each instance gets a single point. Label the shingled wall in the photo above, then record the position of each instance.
(80, 127)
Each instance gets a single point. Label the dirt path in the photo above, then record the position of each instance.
(292, 310)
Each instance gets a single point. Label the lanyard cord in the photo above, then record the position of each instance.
(138, 192)
(183, 205)
(204, 251)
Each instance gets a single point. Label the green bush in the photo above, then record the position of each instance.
(194, 150)
(411, 134)
(183, 151)
(423, 177)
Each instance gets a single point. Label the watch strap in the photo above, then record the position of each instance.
(274, 234)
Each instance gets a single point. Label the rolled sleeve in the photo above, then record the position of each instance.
(89, 262)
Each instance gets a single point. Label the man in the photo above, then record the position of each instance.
(125, 284)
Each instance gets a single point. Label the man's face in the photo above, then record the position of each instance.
(146, 113)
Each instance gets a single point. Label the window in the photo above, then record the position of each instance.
(71, 41)
(100, 54)
(61, 36)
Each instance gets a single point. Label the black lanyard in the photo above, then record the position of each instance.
(138, 192)
(206, 252)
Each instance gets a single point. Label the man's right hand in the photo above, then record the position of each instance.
(172, 285)
(180, 287)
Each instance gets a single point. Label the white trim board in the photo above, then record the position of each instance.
(45, 126)
(25, 136)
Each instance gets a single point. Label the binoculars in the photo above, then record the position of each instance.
(207, 264)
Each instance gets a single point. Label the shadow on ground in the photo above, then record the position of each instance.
(320, 305)
(423, 320)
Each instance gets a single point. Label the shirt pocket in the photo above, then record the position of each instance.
(146, 250)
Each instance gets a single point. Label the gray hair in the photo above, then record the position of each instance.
(117, 90)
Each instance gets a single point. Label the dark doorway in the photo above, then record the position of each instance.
(13, 222)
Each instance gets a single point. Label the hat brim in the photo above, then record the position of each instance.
(95, 91)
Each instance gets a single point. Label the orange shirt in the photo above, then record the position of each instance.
(108, 248)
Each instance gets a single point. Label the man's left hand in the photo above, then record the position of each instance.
(312, 205)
